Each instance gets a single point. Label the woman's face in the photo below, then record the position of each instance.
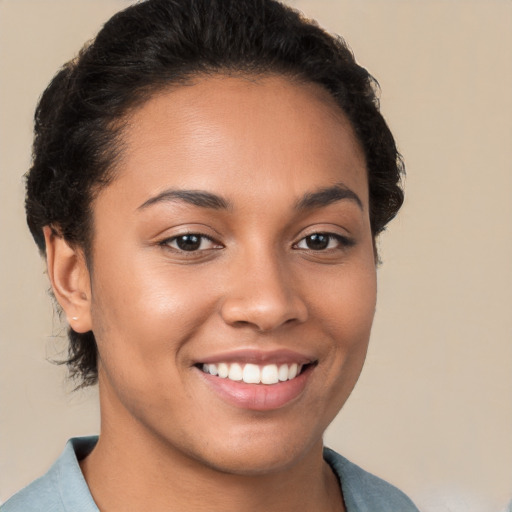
(235, 240)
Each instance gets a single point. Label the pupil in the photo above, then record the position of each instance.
(188, 242)
(317, 241)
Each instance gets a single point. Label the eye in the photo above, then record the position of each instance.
(190, 242)
(323, 241)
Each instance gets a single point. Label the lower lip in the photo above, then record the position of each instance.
(258, 397)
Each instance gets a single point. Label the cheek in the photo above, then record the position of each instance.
(357, 304)
(345, 310)
(142, 325)
(356, 310)
(142, 321)
(345, 301)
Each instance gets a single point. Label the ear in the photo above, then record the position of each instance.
(70, 279)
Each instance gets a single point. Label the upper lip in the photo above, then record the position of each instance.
(258, 356)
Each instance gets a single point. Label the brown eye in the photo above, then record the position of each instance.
(323, 241)
(318, 241)
(190, 242)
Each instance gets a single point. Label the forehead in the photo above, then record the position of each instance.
(240, 133)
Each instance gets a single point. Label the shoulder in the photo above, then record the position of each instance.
(38, 496)
(62, 488)
(364, 492)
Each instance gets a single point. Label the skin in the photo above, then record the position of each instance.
(262, 145)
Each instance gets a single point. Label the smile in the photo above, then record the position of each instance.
(254, 374)
(257, 380)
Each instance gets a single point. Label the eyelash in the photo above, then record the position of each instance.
(342, 241)
(169, 241)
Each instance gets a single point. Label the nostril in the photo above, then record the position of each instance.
(266, 313)
(241, 322)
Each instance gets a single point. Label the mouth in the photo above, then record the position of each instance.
(249, 373)
(257, 381)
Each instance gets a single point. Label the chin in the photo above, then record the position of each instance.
(255, 462)
(258, 451)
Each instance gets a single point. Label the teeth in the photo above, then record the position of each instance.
(269, 374)
(283, 372)
(235, 372)
(254, 374)
(223, 370)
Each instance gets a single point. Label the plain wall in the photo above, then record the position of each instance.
(432, 412)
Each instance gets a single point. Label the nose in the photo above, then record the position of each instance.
(262, 294)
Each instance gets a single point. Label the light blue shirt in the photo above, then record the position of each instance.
(63, 487)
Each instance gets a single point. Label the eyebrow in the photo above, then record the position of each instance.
(322, 197)
(194, 197)
(327, 196)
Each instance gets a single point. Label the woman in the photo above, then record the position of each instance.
(208, 183)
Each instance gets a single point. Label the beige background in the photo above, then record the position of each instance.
(432, 412)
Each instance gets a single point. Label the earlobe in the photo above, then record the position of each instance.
(69, 276)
